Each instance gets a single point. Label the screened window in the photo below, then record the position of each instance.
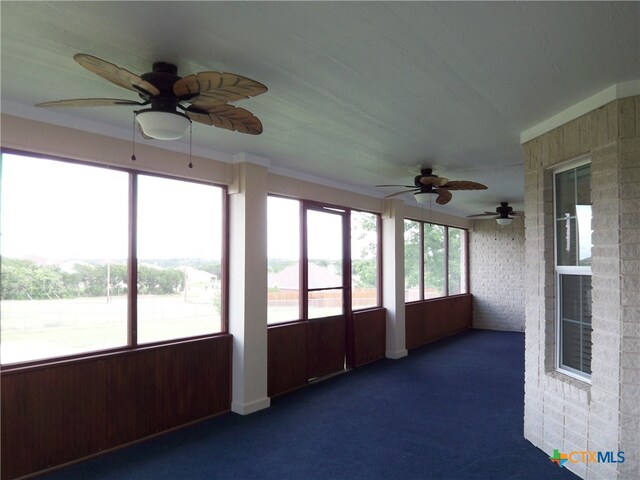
(64, 253)
(457, 260)
(435, 257)
(435, 260)
(283, 259)
(364, 260)
(179, 250)
(66, 242)
(328, 230)
(572, 188)
(413, 265)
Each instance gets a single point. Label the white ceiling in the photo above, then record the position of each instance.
(360, 93)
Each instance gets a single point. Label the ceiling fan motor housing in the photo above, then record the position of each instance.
(504, 210)
(163, 76)
(425, 172)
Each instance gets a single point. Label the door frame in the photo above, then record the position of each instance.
(345, 215)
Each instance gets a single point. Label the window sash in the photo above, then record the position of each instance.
(583, 341)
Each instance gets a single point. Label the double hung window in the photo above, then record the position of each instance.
(572, 215)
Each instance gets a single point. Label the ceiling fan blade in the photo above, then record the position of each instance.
(228, 117)
(464, 185)
(403, 191)
(120, 76)
(444, 196)
(89, 102)
(433, 181)
(215, 88)
(516, 213)
(406, 186)
(486, 215)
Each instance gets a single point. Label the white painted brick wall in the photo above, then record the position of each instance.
(496, 256)
(561, 412)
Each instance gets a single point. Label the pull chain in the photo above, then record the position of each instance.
(133, 138)
(190, 142)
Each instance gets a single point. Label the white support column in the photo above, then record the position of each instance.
(248, 288)
(393, 281)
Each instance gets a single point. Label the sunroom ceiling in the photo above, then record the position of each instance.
(360, 93)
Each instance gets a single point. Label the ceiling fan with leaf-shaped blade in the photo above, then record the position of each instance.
(504, 214)
(207, 93)
(427, 183)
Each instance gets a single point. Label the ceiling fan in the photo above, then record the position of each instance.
(427, 183)
(505, 214)
(207, 93)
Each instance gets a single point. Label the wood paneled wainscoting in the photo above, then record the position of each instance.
(299, 351)
(64, 411)
(429, 320)
(369, 336)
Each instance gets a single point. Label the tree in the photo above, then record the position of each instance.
(364, 263)
(159, 281)
(24, 279)
(411, 254)
(434, 257)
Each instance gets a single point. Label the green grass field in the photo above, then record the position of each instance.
(34, 329)
(37, 329)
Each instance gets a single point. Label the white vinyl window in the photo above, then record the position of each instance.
(573, 245)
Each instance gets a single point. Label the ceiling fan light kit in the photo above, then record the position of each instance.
(505, 214)
(427, 183)
(422, 197)
(162, 125)
(207, 93)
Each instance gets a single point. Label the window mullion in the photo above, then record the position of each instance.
(132, 263)
(446, 261)
(422, 269)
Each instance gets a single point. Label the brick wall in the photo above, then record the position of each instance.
(561, 412)
(496, 255)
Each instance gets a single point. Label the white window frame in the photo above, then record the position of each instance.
(560, 270)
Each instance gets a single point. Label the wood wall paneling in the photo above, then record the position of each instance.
(369, 336)
(326, 342)
(414, 325)
(287, 357)
(52, 416)
(66, 411)
(462, 313)
(429, 320)
(157, 389)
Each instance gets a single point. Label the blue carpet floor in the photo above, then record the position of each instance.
(450, 410)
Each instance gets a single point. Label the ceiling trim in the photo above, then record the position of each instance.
(614, 92)
(244, 157)
(325, 182)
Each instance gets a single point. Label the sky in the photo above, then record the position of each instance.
(176, 219)
(37, 195)
(323, 231)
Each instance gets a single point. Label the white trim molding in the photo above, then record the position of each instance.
(614, 92)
